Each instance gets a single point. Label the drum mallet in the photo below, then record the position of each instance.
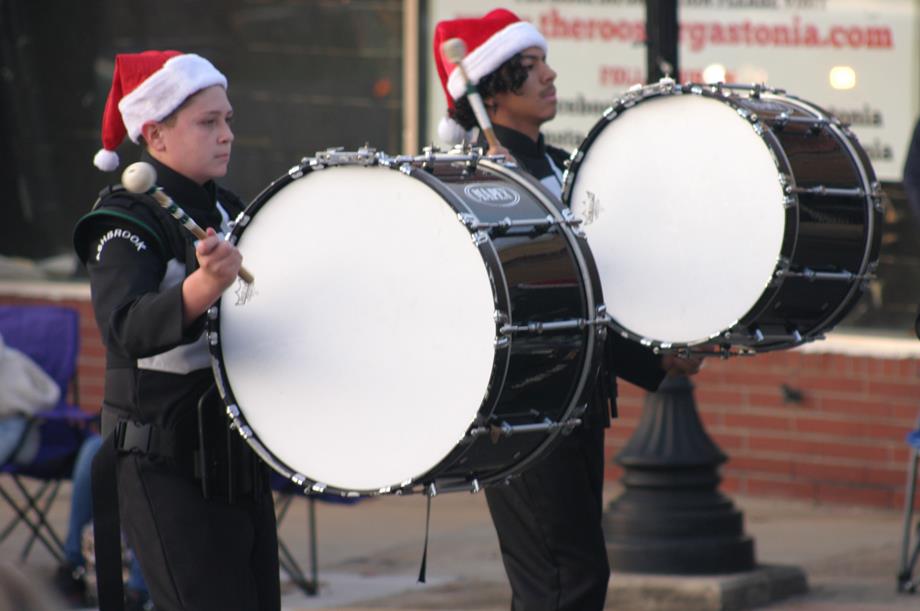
(141, 177)
(454, 50)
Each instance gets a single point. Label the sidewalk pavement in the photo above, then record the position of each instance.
(369, 553)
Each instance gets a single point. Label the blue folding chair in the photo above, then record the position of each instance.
(910, 552)
(50, 336)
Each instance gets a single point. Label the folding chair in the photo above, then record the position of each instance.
(910, 552)
(285, 492)
(49, 335)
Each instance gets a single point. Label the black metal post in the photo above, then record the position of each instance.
(671, 518)
(661, 33)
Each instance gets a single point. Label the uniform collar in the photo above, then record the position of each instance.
(187, 194)
(518, 143)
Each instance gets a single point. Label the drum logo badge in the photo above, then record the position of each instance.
(492, 195)
(589, 208)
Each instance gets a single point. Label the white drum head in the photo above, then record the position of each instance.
(367, 347)
(684, 214)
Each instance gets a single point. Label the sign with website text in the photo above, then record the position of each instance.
(869, 49)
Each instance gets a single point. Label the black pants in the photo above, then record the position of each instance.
(549, 528)
(197, 554)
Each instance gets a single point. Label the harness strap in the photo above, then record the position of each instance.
(107, 527)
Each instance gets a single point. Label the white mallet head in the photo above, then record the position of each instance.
(454, 49)
(139, 177)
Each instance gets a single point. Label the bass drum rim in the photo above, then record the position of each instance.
(736, 339)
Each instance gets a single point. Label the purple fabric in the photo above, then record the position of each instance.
(50, 336)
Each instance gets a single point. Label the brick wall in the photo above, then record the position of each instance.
(843, 442)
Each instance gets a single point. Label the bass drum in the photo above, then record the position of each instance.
(416, 323)
(725, 218)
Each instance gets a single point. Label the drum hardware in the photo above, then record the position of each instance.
(791, 237)
(559, 325)
(600, 322)
(505, 429)
(812, 275)
(501, 227)
(783, 119)
(755, 89)
(826, 191)
(414, 445)
(336, 156)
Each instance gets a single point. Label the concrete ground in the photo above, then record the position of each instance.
(369, 553)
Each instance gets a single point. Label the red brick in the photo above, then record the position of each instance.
(755, 378)
(774, 398)
(860, 406)
(848, 428)
(849, 385)
(758, 422)
(877, 497)
(897, 390)
(772, 487)
(719, 395)
(824, 449)
(762, 465)
(728, 442)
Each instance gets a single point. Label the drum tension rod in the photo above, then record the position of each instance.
(502, 226)
(827, 191)
(814, 124)
(505, 429)
(812, 275)
(559, 325)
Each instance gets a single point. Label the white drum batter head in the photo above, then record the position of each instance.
(684, 213)
(366, 349)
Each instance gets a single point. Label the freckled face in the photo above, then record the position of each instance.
(197, 141)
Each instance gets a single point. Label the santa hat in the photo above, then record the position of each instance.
(148, 87)
(490, 41)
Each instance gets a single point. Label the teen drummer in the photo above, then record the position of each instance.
(548, 520)
(195, 502)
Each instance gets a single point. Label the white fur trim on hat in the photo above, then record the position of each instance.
(451, 132)
(491, 54)
(107, 161)
(164, 90)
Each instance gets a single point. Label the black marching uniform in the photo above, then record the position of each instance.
(170, 431)
(548, 519)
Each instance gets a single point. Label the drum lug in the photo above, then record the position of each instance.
(318, 487)
(480, 238)
(502, 342)
(877, 199)
(468, 218)
(474, 486)
(779, 123)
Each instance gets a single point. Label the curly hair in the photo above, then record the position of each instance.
(510, 76)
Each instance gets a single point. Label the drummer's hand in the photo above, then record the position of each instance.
(218, 259)
(675, 364)
(219, 263)
(500, 150)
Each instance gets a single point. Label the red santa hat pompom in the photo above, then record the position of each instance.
(490, 40)
(146, 87)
